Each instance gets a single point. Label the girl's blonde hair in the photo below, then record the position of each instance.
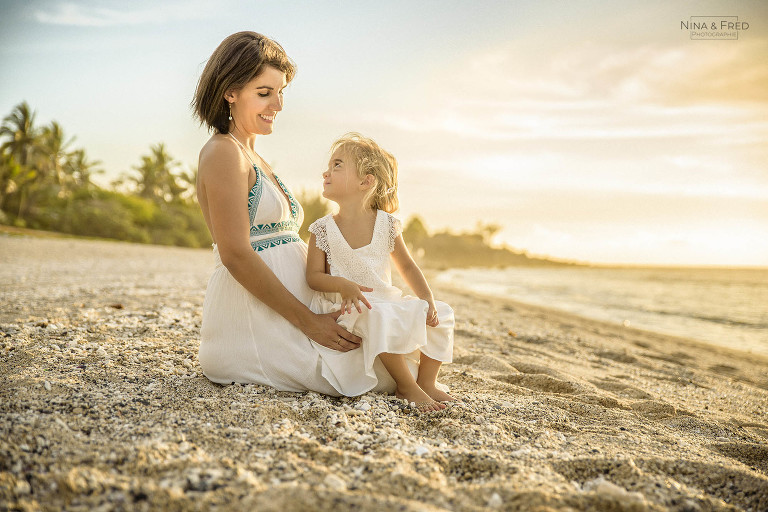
(370, 158)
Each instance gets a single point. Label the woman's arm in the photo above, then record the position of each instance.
(318, 279)
(413, 277)
(225, 175)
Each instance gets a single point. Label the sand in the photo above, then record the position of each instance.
(103, 407)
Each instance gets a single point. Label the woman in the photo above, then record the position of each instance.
(256, 324)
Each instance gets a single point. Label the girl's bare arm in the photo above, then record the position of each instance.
(413, 277)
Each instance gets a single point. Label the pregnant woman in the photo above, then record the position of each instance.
(256, 323)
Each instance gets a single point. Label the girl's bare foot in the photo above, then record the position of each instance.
(436, 394)
(424, 403)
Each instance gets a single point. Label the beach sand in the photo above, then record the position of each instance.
(103, 407)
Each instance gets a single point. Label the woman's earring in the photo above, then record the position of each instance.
(230, 111)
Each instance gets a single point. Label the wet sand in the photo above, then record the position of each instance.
(103, 407)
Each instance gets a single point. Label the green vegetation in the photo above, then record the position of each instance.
(315, 206)
(46, 185)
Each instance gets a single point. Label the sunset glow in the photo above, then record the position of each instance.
(589, 131)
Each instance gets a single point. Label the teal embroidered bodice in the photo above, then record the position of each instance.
(284, 231)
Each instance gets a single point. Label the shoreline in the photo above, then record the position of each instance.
(104, 406)
(563, 315)
(716, 307)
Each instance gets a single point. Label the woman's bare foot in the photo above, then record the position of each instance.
(424, 403)
(436, 394)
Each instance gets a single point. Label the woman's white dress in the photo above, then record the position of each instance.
(396, 323)
(244, 340)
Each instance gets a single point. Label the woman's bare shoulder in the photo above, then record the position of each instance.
(219, 146)
(221, 155)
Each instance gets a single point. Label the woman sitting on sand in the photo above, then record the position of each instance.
(256, 323)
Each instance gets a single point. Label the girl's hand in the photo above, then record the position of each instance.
(352, 295)
(324, 330)
(432, 320)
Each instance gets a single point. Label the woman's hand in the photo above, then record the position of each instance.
(324, 330)
(352, 295)
(432, 320)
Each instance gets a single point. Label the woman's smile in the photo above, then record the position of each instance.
(255, 106)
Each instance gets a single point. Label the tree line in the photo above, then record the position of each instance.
(473, 248)
(46, 183)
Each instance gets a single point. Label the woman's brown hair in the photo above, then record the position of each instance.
(239, 59)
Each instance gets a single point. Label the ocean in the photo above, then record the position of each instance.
(726, 307)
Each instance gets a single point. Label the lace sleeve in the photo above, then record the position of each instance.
(395, 229)
(318, 229)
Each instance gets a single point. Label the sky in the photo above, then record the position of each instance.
(591, 131)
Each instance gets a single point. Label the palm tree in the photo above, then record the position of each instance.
(47, 158)
(487, 231)
(188, 181)
(10, 172)
(22, 139)
(53, 156)
(19, 130)
(81, 169)
(156, 179)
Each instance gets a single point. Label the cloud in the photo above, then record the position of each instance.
(682, 73)
(80, 15)
(598, 118)
(590, 120)
(591, 91)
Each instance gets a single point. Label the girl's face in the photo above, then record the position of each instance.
(340, 180)
(255, 106)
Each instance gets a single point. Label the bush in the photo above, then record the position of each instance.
(106, 217)
(108, 214)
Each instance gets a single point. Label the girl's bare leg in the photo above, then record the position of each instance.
(427, 378)
(406, 385)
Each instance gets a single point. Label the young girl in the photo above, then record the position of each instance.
(405, 339)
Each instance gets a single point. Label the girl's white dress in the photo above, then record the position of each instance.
(395, 324)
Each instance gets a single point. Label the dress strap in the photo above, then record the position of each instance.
(243, 148)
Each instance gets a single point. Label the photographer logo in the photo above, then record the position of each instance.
(714, 27)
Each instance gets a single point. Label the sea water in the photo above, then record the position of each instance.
(727, 307)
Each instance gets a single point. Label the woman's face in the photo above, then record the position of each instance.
(255, 106)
